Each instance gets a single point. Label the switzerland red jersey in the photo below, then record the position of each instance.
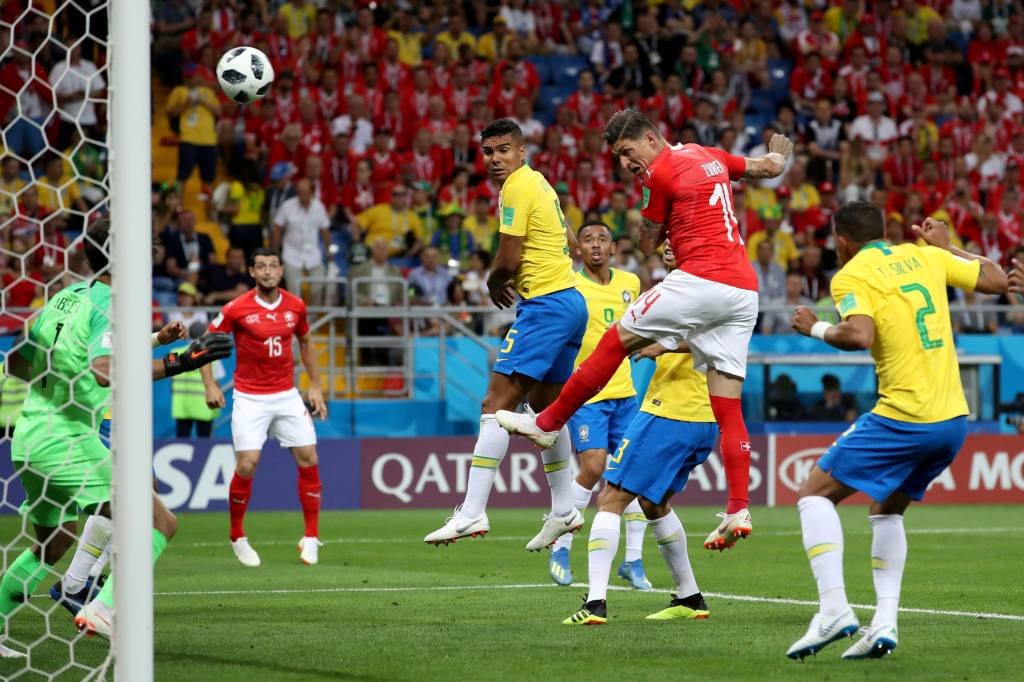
(263, 340)
(688, 189)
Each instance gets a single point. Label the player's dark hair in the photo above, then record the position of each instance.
(97, 239)
(627, 124)
(859, 221)
(593, 223)
(263, 251)
(502, 127)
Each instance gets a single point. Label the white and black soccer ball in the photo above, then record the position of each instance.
(245, 74)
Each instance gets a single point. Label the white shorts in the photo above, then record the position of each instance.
(715, 319)
(281, 415)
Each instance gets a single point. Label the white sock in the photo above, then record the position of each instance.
(491, 447)
(580, 500)
(888, 557)
(559, 473)
(95, 539)
(101, 563)
(636, 525)
(604, 543)
(668, 532)
(823, 542)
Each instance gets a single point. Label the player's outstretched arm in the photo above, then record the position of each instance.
(652, 234)
(857, 332)
(202, 352)
(506, 262)
(772, 164)
(991, 278)
(315, 395)
(175, 331)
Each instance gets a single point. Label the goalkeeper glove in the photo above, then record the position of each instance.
(202, 352)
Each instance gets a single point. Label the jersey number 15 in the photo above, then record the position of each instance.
(273, 344)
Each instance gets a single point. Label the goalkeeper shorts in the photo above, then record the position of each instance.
(62, 476)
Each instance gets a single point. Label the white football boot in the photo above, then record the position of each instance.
(874, 642)
(555, 527)
(245, 553)
(733, 527)
(822, 631)
(96, 618)
(525, 425)
(7, 652)
(456, 527)
(309, 550)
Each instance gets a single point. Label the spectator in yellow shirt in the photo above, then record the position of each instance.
(410, 41)
(492, 45)
(573, 213)
(917, 17)
(301, 16)
(842, 19)
(394, 222)
(456, 35)
(482, 224)
(245, 206)
(10, 184)
(785, 249)
(196, 107)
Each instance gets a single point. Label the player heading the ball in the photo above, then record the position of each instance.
(708, 306)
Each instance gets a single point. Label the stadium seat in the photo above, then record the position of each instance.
(543, 66)
(565, 69)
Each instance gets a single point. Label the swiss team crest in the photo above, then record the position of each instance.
(585, 433)
(289, 316)
(627, 296)
(252, 318)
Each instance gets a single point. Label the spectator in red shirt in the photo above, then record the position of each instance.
(933, 190)
(429, 161)
(384, 158)
(585, 102)
(856, 72)
(817, 38)
(417, 97)
(315, 137)
(552, 160)
(457, 192)
(903, 168)
(808, 83)
(340, 160)
(588, 194)
(505, 93)
(372, 39)
(526, 73)
(460, 92)
(361, 193)
(394, 75)
(194, 40)
(324, 188)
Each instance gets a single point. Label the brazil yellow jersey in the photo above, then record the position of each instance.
(605, 304)
(903, 289)
(528, 208)
(678, 391)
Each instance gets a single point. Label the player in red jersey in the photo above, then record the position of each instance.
(265, 398)
(707, 306)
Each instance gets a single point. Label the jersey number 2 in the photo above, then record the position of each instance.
(723, 195)
(923, 312)
(273, 344)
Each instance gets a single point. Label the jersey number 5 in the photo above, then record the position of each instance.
(923, 312)
(723, 195)
(273, 344)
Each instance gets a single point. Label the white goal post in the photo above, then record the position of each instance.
(131, 263)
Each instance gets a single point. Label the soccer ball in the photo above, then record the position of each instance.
(245, 74)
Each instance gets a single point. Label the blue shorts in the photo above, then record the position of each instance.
(880, 456)
(545, 338)
(601, 425)
(657, 455)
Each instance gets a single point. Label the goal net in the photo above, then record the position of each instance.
(68, 341)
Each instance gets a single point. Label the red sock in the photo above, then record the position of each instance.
(309, 498)
(735, 450)
(586, 382)
(238, 500)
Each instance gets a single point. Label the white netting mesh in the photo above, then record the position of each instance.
(53, 186)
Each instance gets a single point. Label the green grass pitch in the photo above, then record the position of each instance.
(383, 606)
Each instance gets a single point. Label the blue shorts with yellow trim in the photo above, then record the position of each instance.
(880, 456)
(601, 425)
(545, 338)
(657, 455)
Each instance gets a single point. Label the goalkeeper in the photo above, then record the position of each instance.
(57, 452)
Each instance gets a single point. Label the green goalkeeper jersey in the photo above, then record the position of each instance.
(70, 331)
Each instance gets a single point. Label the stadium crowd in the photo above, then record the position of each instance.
(363, 160)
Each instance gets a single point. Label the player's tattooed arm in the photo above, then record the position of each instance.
(991, 278)
(772, 164)
(652, 234)
(857, 332)
(500, 280)
(1017, 277)
(315, 394)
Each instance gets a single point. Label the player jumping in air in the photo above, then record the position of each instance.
(597, 428)
(673, 433)
(892, 300)
(63, 465)
(264, 320)
(538, 352)
(708, 306)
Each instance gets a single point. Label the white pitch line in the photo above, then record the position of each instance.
(544, 586)
(518, 538)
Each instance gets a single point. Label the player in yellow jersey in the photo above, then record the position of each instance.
(673, 433)
(892, 300)
(597, 427)
(537, 354)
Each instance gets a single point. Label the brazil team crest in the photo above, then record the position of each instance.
(584, 432)
(627, 296)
